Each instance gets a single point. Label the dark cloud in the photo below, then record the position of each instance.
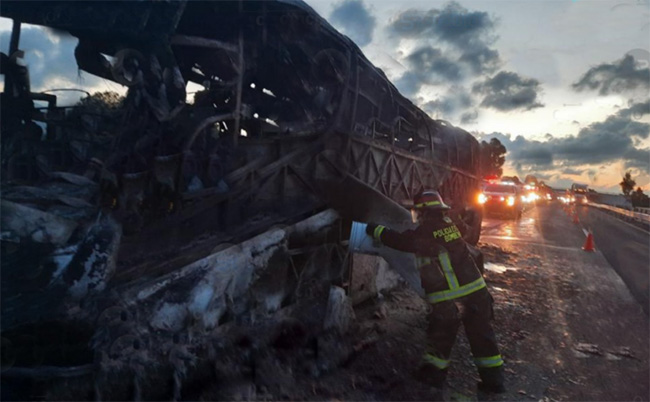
(456, 24)
(355, 20)
(508, 91)
(453, 23)
(601, 142)
(468, 33)
(619, 76)
(481, 59)
(636, 110)
(429, 63)
(412, 23)
(409, 83)
(456, 100)
(469, 117)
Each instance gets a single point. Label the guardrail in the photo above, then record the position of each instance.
(637, 216)
(643, 210)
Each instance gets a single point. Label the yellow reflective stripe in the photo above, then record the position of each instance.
(436, 361)
(437, 297)
(445, 263)
(427, 204)
(377, 233)
(422, 261)
(492, 361)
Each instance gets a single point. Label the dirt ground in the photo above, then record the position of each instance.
(568, 330)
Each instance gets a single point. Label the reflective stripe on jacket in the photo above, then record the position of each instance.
(443, 242)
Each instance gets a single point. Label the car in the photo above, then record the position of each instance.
(579, 193)
(501, 199)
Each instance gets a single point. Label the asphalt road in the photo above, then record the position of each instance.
(625, 246)
(565, 317)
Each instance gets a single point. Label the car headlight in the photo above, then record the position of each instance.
(482, 198)
(511, 201)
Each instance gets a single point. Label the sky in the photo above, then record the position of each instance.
(563, 84)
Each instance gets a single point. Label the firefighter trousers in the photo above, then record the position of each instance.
(444, 321)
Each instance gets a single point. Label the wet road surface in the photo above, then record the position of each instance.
(626, 247)
(565, 319)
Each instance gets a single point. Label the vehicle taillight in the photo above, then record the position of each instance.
(482, 198)
(511, 201)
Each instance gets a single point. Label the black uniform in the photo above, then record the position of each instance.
(449, 276)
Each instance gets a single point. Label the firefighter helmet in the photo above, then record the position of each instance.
(429, 199)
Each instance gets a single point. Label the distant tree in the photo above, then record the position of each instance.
(101, 102)
(627, 185)
(492, 157)
(530, 179)
(97, 113)
(639, 199)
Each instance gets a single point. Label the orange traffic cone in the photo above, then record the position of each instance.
(575, 218)
(589, 243)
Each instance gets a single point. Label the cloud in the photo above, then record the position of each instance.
(453, 23)
(469, 117)
(48, 57)
(611, 140)
(426, 65)
(507, 91)
(456, 99)
(481, 59)
(355, 20)
(429, 63)
(466, 34)
(602, 142)
(636, 110)
(409, 83)
(617, 77)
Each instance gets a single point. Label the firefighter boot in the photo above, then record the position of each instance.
(430, 375)
(491, 380)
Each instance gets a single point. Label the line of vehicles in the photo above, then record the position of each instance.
(576, 195)
(510, 198)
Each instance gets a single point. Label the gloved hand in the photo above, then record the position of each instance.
(370, 229)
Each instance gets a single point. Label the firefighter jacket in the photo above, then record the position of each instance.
(446, 267)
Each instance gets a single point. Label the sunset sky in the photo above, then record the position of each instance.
(564, 84)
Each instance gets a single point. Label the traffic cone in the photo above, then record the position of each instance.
(589, 243)
(575, 218)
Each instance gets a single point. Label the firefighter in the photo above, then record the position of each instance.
(451, 280)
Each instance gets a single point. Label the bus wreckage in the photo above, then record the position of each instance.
(164, 242)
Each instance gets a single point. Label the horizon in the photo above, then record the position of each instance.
(570, 104)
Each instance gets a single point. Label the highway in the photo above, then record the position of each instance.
(573, 324)
(625, 246)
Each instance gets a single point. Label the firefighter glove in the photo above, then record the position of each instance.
(370, 228)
